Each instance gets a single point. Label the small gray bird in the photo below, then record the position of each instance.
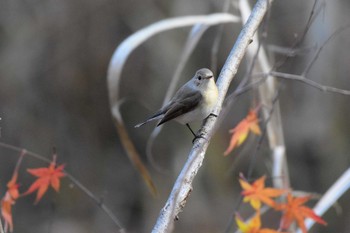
(194, 101)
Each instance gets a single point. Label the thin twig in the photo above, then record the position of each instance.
(287, 51)
(263, 135)
(217, 41)
(309, 82)
(73, 179)
(316, 55)
(312, 17)
(297, 42)
(97, 201)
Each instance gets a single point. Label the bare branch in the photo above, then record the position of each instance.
(309, 82)
(183, 185)
(315, 10)
(217, 41)
(334, 34)
(331, 196)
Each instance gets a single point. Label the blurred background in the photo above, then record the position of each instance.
(53, 93)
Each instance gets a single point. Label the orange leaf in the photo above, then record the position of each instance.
(49, 176)
(12, 186)
(240, 132)
(11, 195)
(6, 210)
(256, 193)
(294, 210)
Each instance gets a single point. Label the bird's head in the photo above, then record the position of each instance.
(203, 77)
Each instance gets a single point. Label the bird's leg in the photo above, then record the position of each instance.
(195, 135)
(188, 126)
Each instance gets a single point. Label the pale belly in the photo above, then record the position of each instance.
(196, 115)
(201, 112)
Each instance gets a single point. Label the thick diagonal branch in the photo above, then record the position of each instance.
(183, 185)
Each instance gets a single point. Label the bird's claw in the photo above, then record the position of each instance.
(197, 137)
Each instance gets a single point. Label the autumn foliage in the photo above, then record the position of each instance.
(256, 193)
(253, 225)
(46, 177)
(11, 195)
(240, 133)
(293, 209)
(49, 176)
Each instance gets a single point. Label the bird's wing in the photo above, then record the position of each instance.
(183, 102)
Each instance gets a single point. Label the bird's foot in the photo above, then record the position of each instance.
(197, 137)
(212, 114)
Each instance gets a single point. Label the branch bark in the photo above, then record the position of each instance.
(183, 185)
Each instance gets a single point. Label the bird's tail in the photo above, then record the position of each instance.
(152, 118)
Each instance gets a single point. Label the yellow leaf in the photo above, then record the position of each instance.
(257, 193)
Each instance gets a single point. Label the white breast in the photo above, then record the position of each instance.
(205, 107)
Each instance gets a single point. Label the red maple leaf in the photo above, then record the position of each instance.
(46, 177)
(240, 132)
(294, 210)
(256, 193)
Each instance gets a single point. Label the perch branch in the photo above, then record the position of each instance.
(118, 61)
(183, 185)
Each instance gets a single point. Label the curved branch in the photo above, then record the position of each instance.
(183, 185)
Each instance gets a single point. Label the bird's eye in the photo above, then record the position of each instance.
(199, 77)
